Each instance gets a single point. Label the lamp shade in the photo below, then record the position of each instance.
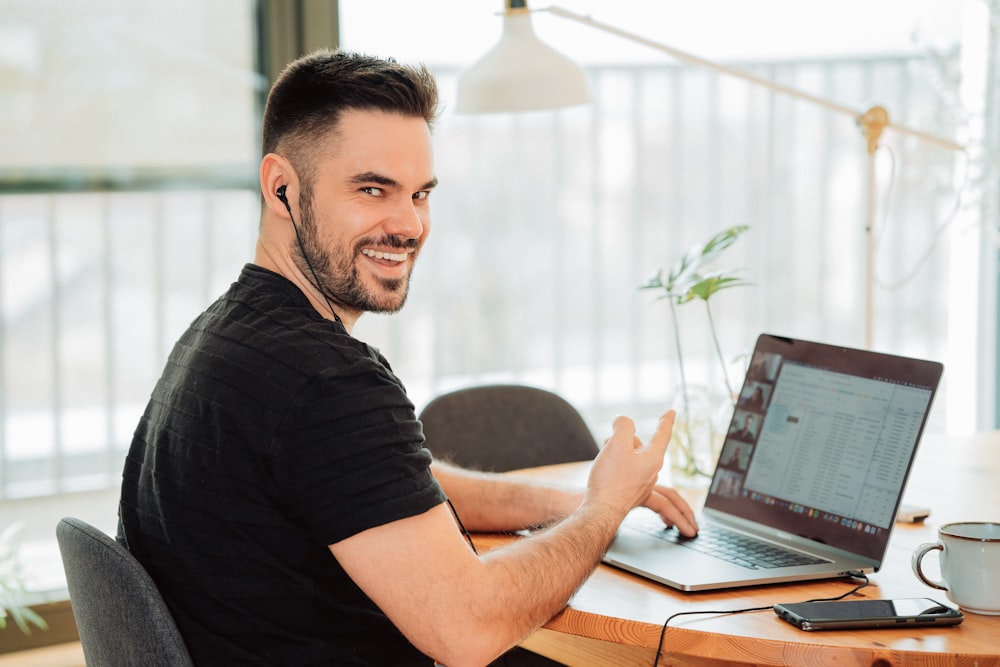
(520, 73)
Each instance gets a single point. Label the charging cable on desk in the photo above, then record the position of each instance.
(854, 574)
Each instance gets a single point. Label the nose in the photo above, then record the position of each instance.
(410, 220)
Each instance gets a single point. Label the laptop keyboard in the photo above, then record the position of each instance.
(729, 545)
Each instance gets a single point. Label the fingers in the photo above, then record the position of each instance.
(661, 438)
(673, 509)
(626, 470)
(624, 430)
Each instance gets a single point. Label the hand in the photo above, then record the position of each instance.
(625, 472)
(673, 509)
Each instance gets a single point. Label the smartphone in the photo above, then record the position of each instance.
(843, 614)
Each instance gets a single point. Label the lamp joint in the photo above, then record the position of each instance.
(872, 123)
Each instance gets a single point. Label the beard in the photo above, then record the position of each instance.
(335, 270)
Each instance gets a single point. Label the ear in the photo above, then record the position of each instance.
(277, 171)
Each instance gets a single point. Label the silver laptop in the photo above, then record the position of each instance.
(811, 491)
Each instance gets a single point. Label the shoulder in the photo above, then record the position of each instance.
(261, 343)
(263, 312)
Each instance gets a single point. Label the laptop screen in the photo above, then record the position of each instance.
(821, 441)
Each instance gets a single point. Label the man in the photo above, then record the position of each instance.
(277, 489)
(746, 433)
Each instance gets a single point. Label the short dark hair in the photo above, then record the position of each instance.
(312, 92)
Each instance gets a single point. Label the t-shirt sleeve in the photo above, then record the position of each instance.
(350, 455)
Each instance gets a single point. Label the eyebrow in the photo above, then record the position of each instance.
(372, 177)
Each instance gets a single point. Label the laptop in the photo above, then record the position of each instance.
(810, 475)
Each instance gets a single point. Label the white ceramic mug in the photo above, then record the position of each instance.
(970, 565)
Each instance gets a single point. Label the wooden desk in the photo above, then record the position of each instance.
(615, 618)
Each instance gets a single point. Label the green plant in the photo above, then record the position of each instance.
(12, 591)
(687, 281)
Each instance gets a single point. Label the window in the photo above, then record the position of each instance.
(128, 199)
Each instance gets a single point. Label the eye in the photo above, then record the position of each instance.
(373, 191)
(423, 194)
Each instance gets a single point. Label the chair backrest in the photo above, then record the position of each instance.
(504, 427)
(120, 614)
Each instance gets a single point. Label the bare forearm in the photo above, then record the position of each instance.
(498, 502)
(464, 609)
(532, 579)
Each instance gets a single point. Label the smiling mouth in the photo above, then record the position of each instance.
(391, 256)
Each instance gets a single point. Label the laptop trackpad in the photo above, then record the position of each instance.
(637, 552)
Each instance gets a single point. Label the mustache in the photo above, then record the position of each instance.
(392, 241)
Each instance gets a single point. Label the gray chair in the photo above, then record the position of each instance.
(505, 427)
(120, 615)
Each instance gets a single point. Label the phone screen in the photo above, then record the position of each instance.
(902, 612)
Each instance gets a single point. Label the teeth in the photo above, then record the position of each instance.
(395, 257)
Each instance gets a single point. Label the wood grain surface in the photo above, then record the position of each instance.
(616, 617)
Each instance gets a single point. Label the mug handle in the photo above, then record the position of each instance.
(918, 554)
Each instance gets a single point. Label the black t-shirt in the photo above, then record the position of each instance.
(271, 434)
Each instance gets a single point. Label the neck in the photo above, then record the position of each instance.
(281, 263)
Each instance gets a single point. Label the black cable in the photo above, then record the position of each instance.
(854, 574)
(302, 248)
(461, 526)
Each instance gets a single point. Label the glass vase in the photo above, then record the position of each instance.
(698, 434)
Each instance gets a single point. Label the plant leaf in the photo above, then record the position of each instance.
(12, 591)
(654, 282)
(684, 274)
(709, 285)
(722, 240)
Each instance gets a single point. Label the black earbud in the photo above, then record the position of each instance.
(280, 193)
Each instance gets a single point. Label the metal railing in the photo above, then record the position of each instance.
(544, 226)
